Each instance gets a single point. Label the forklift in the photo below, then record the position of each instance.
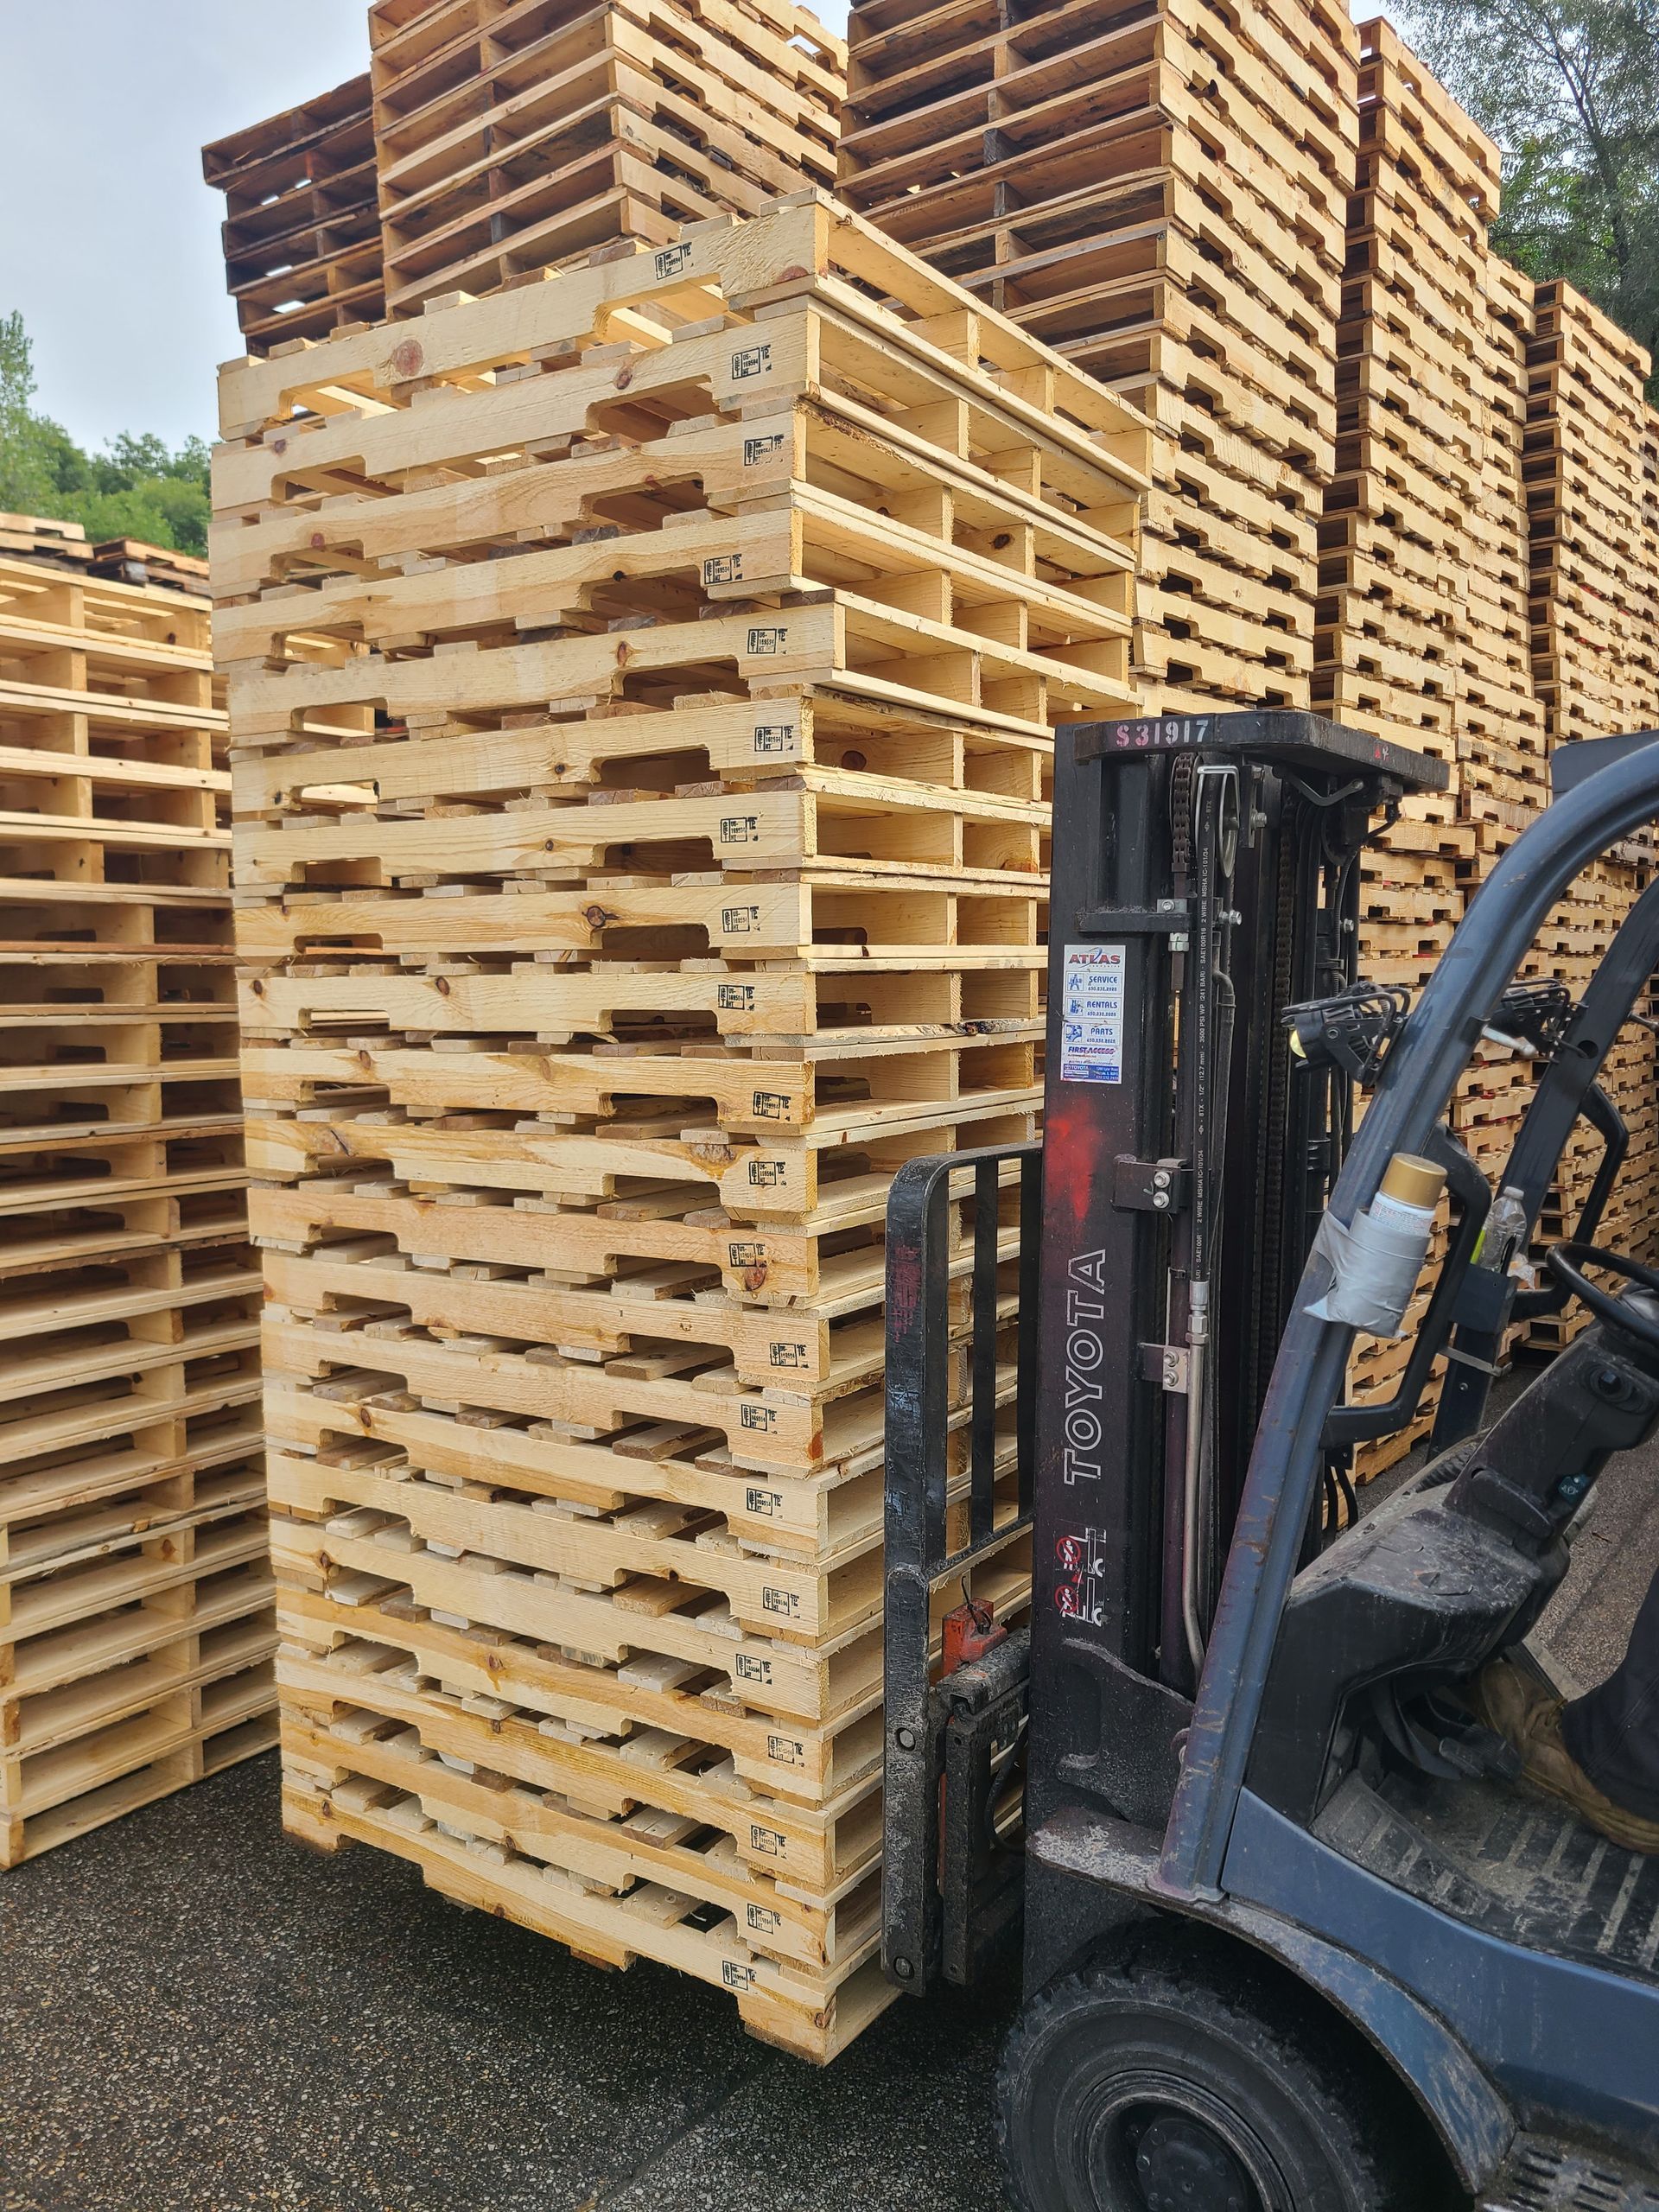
(1293, 1939)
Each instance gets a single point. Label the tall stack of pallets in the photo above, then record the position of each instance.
(1159, 194)
(301, 228)
(1408, 559)
(1593, 643)
(641, 808)
(513, 135)
(136, 1627)
(1594, 648)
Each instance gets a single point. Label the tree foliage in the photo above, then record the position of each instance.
(1570, 91)
(137, 487)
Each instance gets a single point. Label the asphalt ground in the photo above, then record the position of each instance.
(199, 2016)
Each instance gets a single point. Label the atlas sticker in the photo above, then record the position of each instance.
(752, 361)
(1079, 1593)
(1092, 1014)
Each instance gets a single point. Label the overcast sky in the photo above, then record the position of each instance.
(109, 238)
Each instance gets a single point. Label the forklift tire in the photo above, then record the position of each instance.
(1188, 2079)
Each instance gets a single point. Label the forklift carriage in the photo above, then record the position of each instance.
(1293, 1941)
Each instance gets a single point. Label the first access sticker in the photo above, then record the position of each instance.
(1092, 1014)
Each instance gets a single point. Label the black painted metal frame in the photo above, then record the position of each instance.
(918, 1936)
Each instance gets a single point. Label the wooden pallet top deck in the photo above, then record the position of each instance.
(805, 243)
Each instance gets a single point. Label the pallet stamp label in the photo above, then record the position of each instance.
(774, 738)
(770, 1106)
(786, 1602)
(671, 261)
(764, 644)
(723, 568)
(749, 1669)
(767, 1840)
(763, 1919)
(766, 1505)
(740, 828)
(756, 450)
(788, 1355)
(735, 998)
(762, 1418)
(736, 1976)
(751, 361)
(767, 1174)
(744, 1256)
(787, 1750)
(1092, 1014)
(739, 921)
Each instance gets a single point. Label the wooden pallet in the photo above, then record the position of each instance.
(301, 233)
(136, 1627)
(37, 538)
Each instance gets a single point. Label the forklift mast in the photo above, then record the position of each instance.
(1206, 879)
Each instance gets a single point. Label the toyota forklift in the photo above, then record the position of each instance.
(1294, 1940)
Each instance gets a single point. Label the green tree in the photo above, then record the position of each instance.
(1570, 91)
(137, 487)
(25, 474)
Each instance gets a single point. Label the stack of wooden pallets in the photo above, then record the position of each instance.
(1159, 194)
(135, 1628)
(1595, 647)
(513, 135)
(303, 225)
(643, 709)
(1397, 542)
